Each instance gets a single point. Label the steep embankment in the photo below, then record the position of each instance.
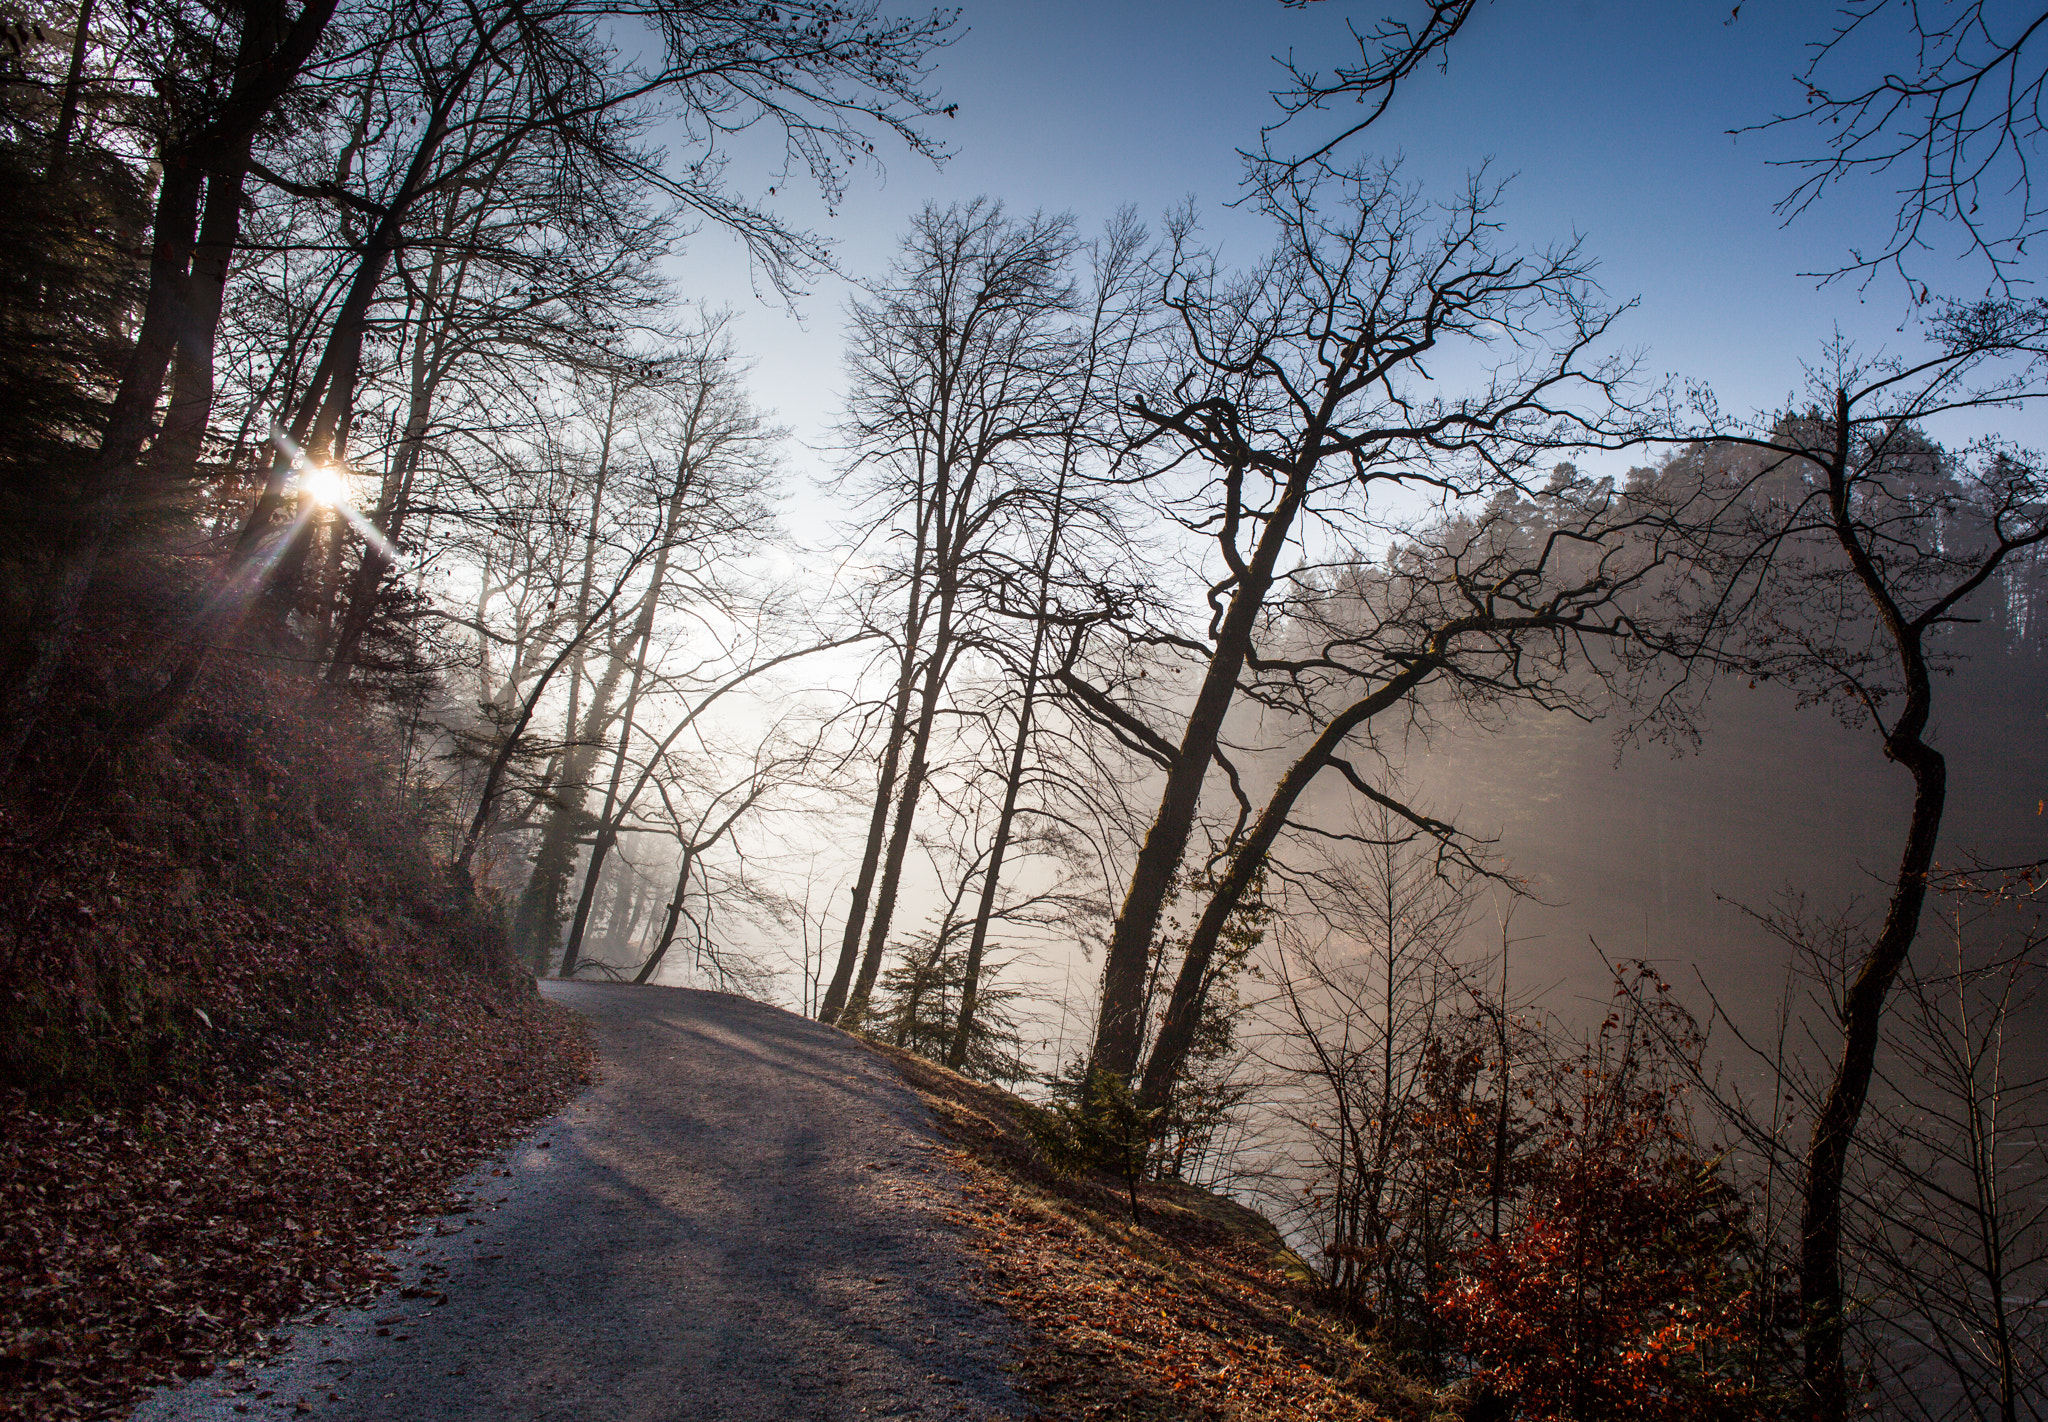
(1197, 1311)
(150, 1241)
(247, 1031)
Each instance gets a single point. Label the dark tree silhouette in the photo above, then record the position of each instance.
(1299, 389)
(1952, 113)
(1944, 99)
(1861, 544)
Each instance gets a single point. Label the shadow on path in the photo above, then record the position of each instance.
(737, 1223)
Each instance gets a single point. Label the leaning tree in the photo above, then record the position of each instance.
(1296, 399)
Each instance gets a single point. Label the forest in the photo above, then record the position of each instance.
(1336, 725)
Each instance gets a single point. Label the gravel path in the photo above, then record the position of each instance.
(737, 1223)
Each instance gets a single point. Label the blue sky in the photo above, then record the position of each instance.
(1613, 119)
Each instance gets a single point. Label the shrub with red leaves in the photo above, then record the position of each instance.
(1621, 1285)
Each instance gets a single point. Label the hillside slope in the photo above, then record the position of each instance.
(1198, 1311)
(248, 1028)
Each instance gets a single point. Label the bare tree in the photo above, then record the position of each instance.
(488, 305)
(678, 442)
(959, 367)
(510, 743)
(1295, 392)
(1952, 1236)
(1368, 981)
(1943, 1242)
(1537, 600)
(1861, 542)
(486, 87)
(1388, 53)
(717, 818)
(1952, 109)
(750, 657)
(1947, 100)
(1115, 310)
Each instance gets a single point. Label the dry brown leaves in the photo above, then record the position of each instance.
(1191, 1314)
(168, 1239)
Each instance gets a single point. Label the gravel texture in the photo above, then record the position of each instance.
(739, 1222)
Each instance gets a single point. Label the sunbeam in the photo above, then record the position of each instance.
(372, 535)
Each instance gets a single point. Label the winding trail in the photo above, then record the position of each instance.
(739, 1222)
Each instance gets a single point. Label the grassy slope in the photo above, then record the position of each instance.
(1199, 1311)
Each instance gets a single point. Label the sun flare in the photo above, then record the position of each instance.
(325, 486)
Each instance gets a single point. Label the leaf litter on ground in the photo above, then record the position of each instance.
(1199, 1311)
(171, 1237)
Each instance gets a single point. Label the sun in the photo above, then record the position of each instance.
(324, 485)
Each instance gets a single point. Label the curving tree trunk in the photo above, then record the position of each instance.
(1834, 1126)
(1191, 987)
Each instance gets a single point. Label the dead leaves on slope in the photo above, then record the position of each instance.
(1190, 1315)
(169, 1238)
(1204, 1328)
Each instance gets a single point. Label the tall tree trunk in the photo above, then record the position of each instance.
(581, 743)
(538, 919)
(625, 912)
(946, 523)
(914, 616)
(74, 86)
(609, 823)
(1834, 1126)
(936, 666)
(329, 402)
(1191, 987)
(319, 423)
(871, 854)
(1121, 1030)
(1006, 818)
(609, 820)
(327, 586)
(176, 455)
(970, 983)
(612, 818)
(675, 914)
(394, 502)
(487, 799)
